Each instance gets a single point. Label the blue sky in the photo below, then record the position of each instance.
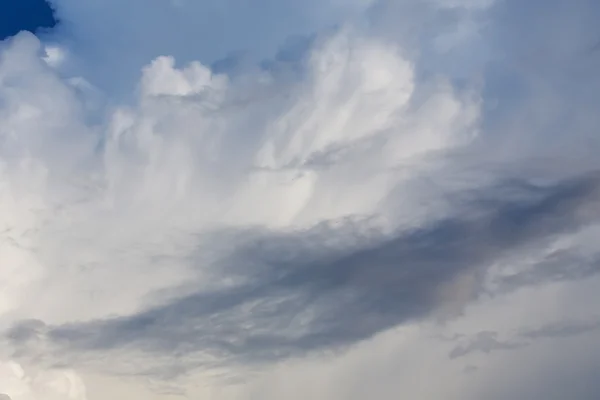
(29, 15)
(335, 200)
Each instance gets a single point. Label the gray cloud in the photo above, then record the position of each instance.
(296, 299)
(488, 342)
(562, 330)
(484, 342)
(564, 265)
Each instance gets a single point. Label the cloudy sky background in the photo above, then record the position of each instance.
(286, 200)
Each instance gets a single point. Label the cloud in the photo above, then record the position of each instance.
(295, 303)
(485, 342)
(56, 384)
(194, 191)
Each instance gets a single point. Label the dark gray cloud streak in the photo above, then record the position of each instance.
(299, 301)
(567, 372)
(488, 342)
(485, 342)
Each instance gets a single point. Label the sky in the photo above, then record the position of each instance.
(335, 200)
(29, 15)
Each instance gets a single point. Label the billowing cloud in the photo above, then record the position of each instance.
(234, 200)
(56, 384)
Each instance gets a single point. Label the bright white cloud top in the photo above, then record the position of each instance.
(289, 200)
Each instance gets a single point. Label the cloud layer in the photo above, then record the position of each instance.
(218, 200)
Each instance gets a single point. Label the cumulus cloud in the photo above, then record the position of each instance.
(229, 200)
(55, 384)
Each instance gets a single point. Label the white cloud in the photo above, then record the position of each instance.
(51, 385)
